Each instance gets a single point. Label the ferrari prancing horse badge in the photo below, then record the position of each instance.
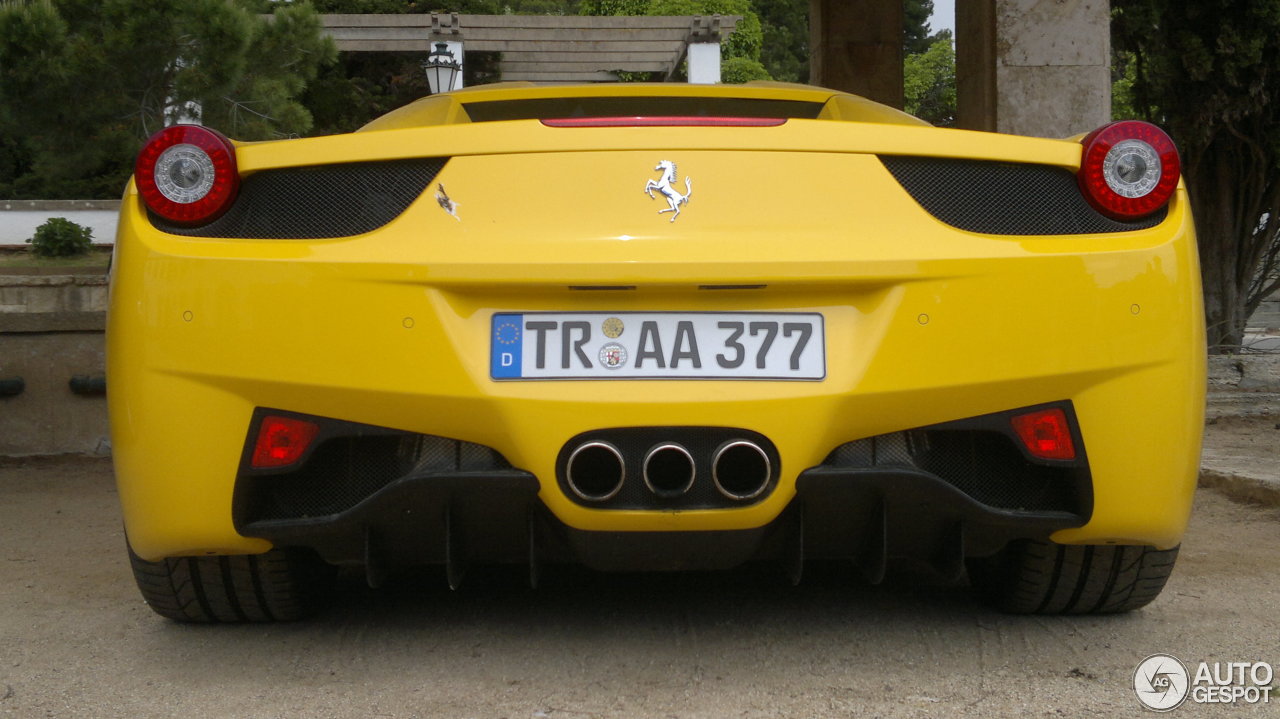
(664, 186)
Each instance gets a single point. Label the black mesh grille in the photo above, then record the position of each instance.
(326, 201)
(1002, 198)
(984, 465)
(343, 471)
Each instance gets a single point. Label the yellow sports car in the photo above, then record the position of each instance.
(655, 327)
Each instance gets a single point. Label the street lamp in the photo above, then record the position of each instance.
(442, 69)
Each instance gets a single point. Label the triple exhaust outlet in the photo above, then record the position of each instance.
(596, 470)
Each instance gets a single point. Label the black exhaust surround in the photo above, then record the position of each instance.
(635, 443)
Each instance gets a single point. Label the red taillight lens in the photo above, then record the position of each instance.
(1046, 434)
(1129, 169)
(282, 441)
(187, 174)
(664, 121)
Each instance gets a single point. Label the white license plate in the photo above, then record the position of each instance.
(658, 345)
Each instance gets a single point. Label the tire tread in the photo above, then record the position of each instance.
(1040, 577)
(281, 585)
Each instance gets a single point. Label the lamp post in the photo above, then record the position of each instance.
(442, 69)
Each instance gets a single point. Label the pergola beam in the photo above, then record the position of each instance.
(542, 76)
(522, 22)
(552, 48)
(508, 67)
(499, 35)
(599, 48)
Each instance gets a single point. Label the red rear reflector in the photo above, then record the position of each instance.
(664, 121)
(282, 441)
(1046, 434)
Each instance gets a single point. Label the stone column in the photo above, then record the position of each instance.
(1034, 67)
(856, 46)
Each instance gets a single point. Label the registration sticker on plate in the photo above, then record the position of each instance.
(658, 345)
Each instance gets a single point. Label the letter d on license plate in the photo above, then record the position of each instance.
(658, 345)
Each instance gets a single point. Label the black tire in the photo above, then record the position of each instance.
(1035, 577)
(281, 585)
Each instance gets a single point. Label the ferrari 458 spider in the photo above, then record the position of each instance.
(655, 327)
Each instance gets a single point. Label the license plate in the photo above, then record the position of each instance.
(658, 345)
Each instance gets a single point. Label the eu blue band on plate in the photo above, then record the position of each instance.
(506, 346)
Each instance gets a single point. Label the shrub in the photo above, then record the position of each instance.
(60, 237)
(737, 70)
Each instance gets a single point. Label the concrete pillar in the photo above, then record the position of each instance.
(704, 63)
(446, 29)
(975, 65)
(1034, 67)
(856, 46)
(702, 51)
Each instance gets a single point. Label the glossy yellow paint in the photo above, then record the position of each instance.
(925, 323)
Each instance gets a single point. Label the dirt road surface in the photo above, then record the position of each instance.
(77, 641)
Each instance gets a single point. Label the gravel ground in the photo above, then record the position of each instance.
(77, 641)
(1241, 453)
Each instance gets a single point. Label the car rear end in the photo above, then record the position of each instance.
(657, 328)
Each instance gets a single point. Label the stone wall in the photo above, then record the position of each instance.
(1268, 314)
(51, 330)
(1249, 373)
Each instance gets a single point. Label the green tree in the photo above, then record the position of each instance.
(784, 26)
(929, 82)
(737, 70)
(1123, 73)
(1209, 72)
(916, 37)
(84, 82)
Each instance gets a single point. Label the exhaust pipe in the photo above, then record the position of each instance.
(741, 469)
(669, 470)
(595, 471)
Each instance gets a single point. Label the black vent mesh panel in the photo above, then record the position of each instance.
(1002, 198)
(984, 465)
(321, 202)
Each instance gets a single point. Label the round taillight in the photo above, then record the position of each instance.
(1129, 169)
(187, 174)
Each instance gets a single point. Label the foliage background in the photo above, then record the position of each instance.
(1209, 73)
(84, 82)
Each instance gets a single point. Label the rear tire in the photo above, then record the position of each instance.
(1037, 577)
(281, 585)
